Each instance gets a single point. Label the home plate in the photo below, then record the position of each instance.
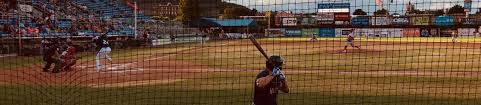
(109, 70)
(118, 68)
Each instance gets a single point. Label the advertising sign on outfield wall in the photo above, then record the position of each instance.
(420, 20)
(435, 32)
(379, 32)
(276, 32)
(333, 5)
(325, 18)
(293, 32)
(466, 31)
(425, 32)
(361, 32)
(360, 21)
(385, 32)
(444, 21)
(342, 32)
(326, 22)
(342, 22)
(290, 21)
(342, 16)
(308, 21)
(310, 31)
(400, 21)
(411, 32)
(327, 32)
(380, 21)
(333, 10)
(469, 21)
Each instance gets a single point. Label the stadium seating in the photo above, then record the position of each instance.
(65, 23)
(111, 9)
(101, 9)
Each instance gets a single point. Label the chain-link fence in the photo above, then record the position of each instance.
(332, 52)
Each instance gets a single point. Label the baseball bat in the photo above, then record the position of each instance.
(258, 46)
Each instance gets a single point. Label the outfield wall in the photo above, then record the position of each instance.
(467, 31)
(377, 32)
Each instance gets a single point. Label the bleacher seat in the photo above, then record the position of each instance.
(4, 21)
(108, 11)
(3, 34)
(64, 23)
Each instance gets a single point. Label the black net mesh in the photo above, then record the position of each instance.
(203, 52)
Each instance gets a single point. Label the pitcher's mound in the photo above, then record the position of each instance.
(350, 51)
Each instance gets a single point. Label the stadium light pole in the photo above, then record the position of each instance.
(135, 20)
(269, 22)
(19, 29)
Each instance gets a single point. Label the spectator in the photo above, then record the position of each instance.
(29, 31)
(36, 32)
(74, 30)
(10, 29)
(145, 35)
(22, 32)
(21, 25)
(53, 20)
(45, 29)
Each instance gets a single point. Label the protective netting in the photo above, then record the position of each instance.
(334, 52)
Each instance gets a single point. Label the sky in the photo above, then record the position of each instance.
(310, 6)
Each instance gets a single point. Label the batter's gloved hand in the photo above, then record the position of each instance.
(282, 75)
(276, 71)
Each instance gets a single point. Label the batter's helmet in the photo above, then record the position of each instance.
(275, 61)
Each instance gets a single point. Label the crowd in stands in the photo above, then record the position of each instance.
(62, 17)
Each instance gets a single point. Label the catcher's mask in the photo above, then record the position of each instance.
(275, 61)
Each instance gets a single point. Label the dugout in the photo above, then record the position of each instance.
(232, 26)
(229, 25)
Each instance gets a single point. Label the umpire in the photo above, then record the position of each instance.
(52, 56)
(269, 82)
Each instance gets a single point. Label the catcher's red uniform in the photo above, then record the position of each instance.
(69, 57)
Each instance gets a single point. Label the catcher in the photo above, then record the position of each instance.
(269, 82)
(69, 57)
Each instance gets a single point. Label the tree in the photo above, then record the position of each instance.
(381, 12)
(236, 12)
(189, 11)
(231, 10)
(416, 11)
(359, 12)
(255, 11)
(456, 9)
(439, 12)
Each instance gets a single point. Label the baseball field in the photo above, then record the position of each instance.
(385, 71)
